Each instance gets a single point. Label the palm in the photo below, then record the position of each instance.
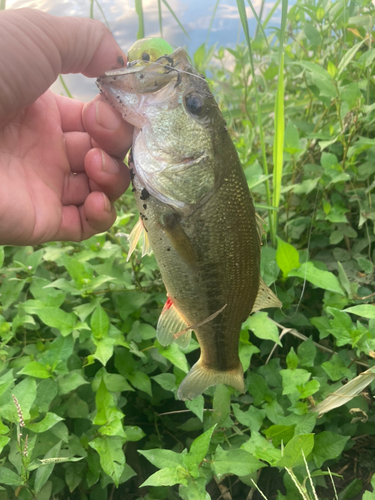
(43, 154)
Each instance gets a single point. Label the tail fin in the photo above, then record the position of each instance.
(201, 378)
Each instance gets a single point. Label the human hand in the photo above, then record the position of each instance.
(60, 160)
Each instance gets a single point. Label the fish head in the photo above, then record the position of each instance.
(176, 122)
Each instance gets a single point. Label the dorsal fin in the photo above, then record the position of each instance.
(138, 231)
(265, 298)
(170, 322)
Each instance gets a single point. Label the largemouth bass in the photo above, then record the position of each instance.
(196, 210)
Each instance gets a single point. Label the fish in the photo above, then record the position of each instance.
(196, 213)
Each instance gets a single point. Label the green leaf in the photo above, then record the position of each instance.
(133, 433)
(195, 489)
(291, 141)
(78, 271)
(3, 442)
(344, 280)
(319, 278)
(262, 327)
(363, 310)
(348, 56)
(292, 457)
(252, 418)
(259, 447)
(196, 405)
(166, 380)
(104, 349)
(112, 457)
(307, 352)
(9, 477)
(174, 354)
(44, 471)
(370, 495)
(327, 446)
(70, 382)
(336, 368)
(221, 406)
(294, 378)
(35, 369)
(106, 406)
(141, 381)
(198, 450)
(1, 256)
(280, 434)
(292, 360)
(99, 323)
(52, 316)
(10, 291)
(167, 477)
(163, 458)
(245, 354)
(25, 392)
(48, 421)
(287, 257)
(238, 462)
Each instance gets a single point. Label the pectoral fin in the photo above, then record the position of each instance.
(171, 322)
(139, 231)
(180, 241)
(265, 298)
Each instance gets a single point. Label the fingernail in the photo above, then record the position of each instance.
(110, 166)
(106, 117)
(107, 203)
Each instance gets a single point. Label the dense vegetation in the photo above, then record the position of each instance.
(87, 395)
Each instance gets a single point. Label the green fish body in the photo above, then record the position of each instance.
(197, 212)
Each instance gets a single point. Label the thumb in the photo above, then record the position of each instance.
(36, 47)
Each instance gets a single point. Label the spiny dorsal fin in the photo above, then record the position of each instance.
(138, 231)
(171, 322)
(265, 298)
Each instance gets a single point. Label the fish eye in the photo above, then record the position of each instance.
(194, 103)
(145, 56)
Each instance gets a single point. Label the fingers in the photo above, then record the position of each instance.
(79, 223)
(105, 125)
(70, 113)
(106, 174)
(58, 45)
(77, 145)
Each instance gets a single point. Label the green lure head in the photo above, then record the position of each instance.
(149, 49)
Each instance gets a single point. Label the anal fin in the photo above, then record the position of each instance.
(171, 322)
(265, 298)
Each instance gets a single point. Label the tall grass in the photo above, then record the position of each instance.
(278, 148)
(243, 17)
(278, 144)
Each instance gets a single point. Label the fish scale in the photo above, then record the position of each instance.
(196, 211)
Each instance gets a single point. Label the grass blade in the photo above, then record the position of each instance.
(212, 20)
(141, 24)
(68, 93)
(102, 13)
(278, 144)
(2, 4)
(259, 23)
(160, 19)
(176, 18)
(271, 13)
(243, 18)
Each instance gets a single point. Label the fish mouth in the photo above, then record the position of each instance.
(146, 77)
